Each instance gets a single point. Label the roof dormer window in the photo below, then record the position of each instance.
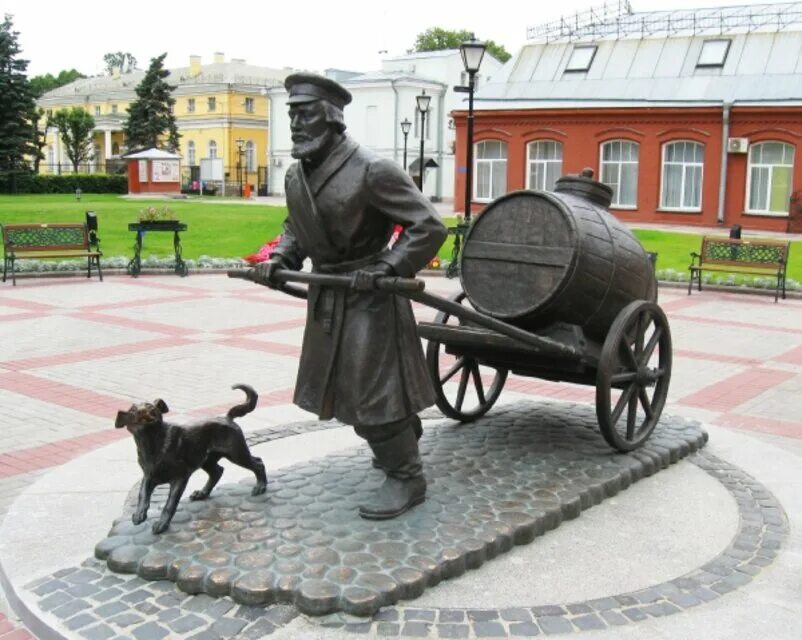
(713, 53)
(581, 58)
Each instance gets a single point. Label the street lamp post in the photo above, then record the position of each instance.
(423, 106)
(472, 53)
(406, 125)
(239, 142)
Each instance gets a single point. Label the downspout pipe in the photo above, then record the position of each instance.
(722, 183)
(396, 120)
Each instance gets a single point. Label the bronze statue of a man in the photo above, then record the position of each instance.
(361, 361)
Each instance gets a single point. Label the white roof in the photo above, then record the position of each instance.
(759, 67)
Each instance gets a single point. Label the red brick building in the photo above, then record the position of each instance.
(693, 117)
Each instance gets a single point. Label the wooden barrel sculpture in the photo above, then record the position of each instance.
(533, 258)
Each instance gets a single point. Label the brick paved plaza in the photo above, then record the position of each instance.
(74, 352)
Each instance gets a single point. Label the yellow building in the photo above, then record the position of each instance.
(221, 111)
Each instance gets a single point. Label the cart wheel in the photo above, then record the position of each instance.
(468, 396)
(635, 358)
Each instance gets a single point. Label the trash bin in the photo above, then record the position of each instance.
(246, 191)
(735, 232)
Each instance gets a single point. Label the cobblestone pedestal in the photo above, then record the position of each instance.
(493, 484)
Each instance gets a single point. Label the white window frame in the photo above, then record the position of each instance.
(663, 164)
(191, 159)
(249, 105)
(543, 161)
(616, 203)
(581, 58)
(97, 110)
(190, 105)
(711, 55)
(211, 149)
(751, 164)
(250, 156)
(211, 104)
(477, 160)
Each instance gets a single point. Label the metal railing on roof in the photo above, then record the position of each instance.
(617, 20)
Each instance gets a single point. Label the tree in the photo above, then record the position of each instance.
(437, 39)
(121, 60)
(17, 106)
(48, 82)
(75, 128)
(40, 136)
(150, 116)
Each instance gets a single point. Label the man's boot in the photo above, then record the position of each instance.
(416, 426)
(404, 486)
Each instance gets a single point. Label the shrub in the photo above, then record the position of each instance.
(26, 182)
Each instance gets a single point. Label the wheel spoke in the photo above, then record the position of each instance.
(649, 350)
(633, 361)
(640, 330)
(450, 374)
(632, 416)
(477, 383)
(622, 402)
(463, 385)
(618, 378)
(646, 403)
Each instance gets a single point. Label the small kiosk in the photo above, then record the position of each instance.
(154, 171)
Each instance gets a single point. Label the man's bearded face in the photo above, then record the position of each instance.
(311, 133)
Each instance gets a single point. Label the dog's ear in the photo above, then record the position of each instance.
(161, 405)
(122, 420)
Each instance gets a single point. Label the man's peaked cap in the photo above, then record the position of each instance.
(308, 87)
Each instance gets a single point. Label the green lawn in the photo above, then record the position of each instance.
(224, 229)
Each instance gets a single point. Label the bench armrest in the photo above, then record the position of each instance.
(696, 259)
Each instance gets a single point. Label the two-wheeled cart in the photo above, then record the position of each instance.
(553, 287)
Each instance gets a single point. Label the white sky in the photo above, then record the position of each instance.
(308, 34)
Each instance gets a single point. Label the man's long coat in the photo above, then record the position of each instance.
(361, 361)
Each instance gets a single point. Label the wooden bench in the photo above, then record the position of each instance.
(44, 241)
(749, 257)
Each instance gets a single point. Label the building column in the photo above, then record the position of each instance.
(107, 141)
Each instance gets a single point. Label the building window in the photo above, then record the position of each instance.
(115, 148)
(416, 132)
(114, 108)
(619, 170)
(248, 105)
(581, 58)
(190, 105)
(713, 53)
(97, 110)
(250, 156)
(771, 168)
(545, 161)
(212, 149)
(682, 176)
(211, 104)
(191, 153)
(490, 170)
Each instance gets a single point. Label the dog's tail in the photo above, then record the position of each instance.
(247, 406)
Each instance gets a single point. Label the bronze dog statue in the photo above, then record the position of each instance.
(171, 453)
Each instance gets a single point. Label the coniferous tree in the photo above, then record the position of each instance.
(17, 107)
(150, 116)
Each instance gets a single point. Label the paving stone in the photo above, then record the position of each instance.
(548, 610)
(525, 629)
(168, 615)
(259, 629)
(424, 615)
(126, 619)
(81, 620)
(98, 632)
(554, 624)
(450, 615)
(603, 604)
(613, 618)
(186, 623)
(685, 600)
(589, 622)
(390, 629)
(49, 586)
(150, 631)
(579, 608)
(416, 629)
(358, 628)
(82, 590)
(228, 627)
(54, 600)
(107, 594)
(109, 609)
(635, 614)
(70, 608)
(660, 609)
(386, 615)
(140, 595)
(516, 615)
(482, 615)
(451, 630)
(488, 629)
